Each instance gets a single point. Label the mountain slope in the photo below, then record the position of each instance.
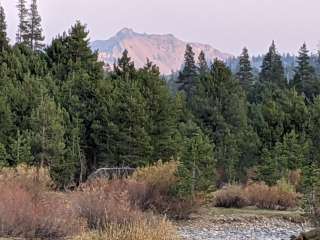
(166, 51)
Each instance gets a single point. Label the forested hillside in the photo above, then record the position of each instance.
(60, 109)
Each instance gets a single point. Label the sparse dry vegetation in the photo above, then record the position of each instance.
(279, 197)
(142, 229)
(30, 208)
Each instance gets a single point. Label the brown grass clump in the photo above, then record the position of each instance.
(150, 228)
(30, 178)
(279, 197)
(103, 202)
(29, 212)
(160, 175)
(231, 196)
(153, 189)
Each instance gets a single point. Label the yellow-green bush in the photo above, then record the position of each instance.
(160, 175)
(150, 228)
(30, 178)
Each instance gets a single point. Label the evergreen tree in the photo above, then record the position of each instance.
(314, 131)
(21, 149)
(244, 74)
(272, 71)
(22, 34)
(6, 124)
(34, 30)
(48, 126)
(187, 79)
(197, 157)
(220, 106)
(132, 143)
(4, 42)
(125, 67)
(161, 109)
(3, 156)
(202, 64)
(305, 81)
(291, 154)
(78, 72)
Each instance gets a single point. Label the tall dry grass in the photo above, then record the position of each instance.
(157, 183)
(30, 208)
(279, 197)
(141, 229)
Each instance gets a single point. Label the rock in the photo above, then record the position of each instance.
(311, 235)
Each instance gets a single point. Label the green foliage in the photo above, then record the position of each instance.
(198, 161)
(3, 156)
(220, 107)
(187, 79)
(34, 30)
(244, 74)
(21, 149)
(59, 108)
(4, 42)
(291, 154)
(305, 81)
(272, 69)
(22, 33)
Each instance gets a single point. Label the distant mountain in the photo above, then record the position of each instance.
(166, 51)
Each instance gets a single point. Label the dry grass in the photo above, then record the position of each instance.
(29, 208)
(161, 176)
(155, 190)
(30, 213)
(30, 178)
(103, 202)
(231, 196)
(142, 229)
(279, 197)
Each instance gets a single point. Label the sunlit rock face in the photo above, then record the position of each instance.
(166, 51)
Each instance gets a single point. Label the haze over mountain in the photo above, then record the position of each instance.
(166, 51)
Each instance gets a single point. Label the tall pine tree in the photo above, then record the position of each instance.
(202, 64)
(4, 43)
(34, 30)
(22, 34)
(244, 74)
(188, 76)
(305, 81)
(272, 71)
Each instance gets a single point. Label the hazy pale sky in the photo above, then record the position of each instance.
(225, 24)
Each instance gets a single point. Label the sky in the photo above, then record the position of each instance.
(227, 25)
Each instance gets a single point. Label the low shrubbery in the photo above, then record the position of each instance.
(29, 208)
(103, 202)
(279, 197)
(232, 196)
(141, 229)
(28, 211)
(158, 185)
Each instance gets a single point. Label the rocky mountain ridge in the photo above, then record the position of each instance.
(165, 50)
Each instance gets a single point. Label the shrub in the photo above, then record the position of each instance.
(150, 228)
(44, 216)
(103, 202)
(30, 178)
(161, 176)
(279, 197)
(152, 188)
(232, 196)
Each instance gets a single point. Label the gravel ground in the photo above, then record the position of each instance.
(241, 229)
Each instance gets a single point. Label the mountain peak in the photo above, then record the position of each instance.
(166, 51)
(126, 32)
